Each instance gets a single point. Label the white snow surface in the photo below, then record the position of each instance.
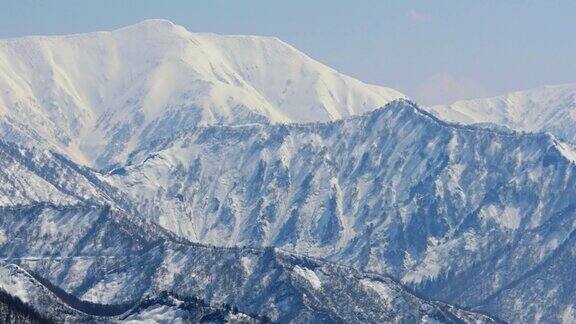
(96, 96)
(158, 314)
(309, 275)
(383, 290)
(14, 285)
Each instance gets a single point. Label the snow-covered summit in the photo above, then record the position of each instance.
(96, 96)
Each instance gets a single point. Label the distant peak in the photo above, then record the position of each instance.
(155, 25)
(157, 22)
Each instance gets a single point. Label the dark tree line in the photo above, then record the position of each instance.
(14, 310)
(84, 306)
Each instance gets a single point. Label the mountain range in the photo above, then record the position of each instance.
(546, 109)
(153, 174)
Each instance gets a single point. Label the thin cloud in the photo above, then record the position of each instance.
(444, 88)
(418, 16)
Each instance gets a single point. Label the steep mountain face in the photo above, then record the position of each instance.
(461, 213)
(97, 96)
(548, 109)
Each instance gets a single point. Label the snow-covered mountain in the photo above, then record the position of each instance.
(398, 191)
(547, 109)
(97, 96)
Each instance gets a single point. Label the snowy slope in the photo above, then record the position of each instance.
(29, 176)
(104, 255)
(167, 308)
(160, 308)
(96, 96)
(286, 288)
(22, 285)
(547, 109)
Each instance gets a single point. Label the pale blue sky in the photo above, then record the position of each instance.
(434, 51)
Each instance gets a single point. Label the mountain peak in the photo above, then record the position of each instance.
(156, 22)
(105, 94)
(158, 26)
